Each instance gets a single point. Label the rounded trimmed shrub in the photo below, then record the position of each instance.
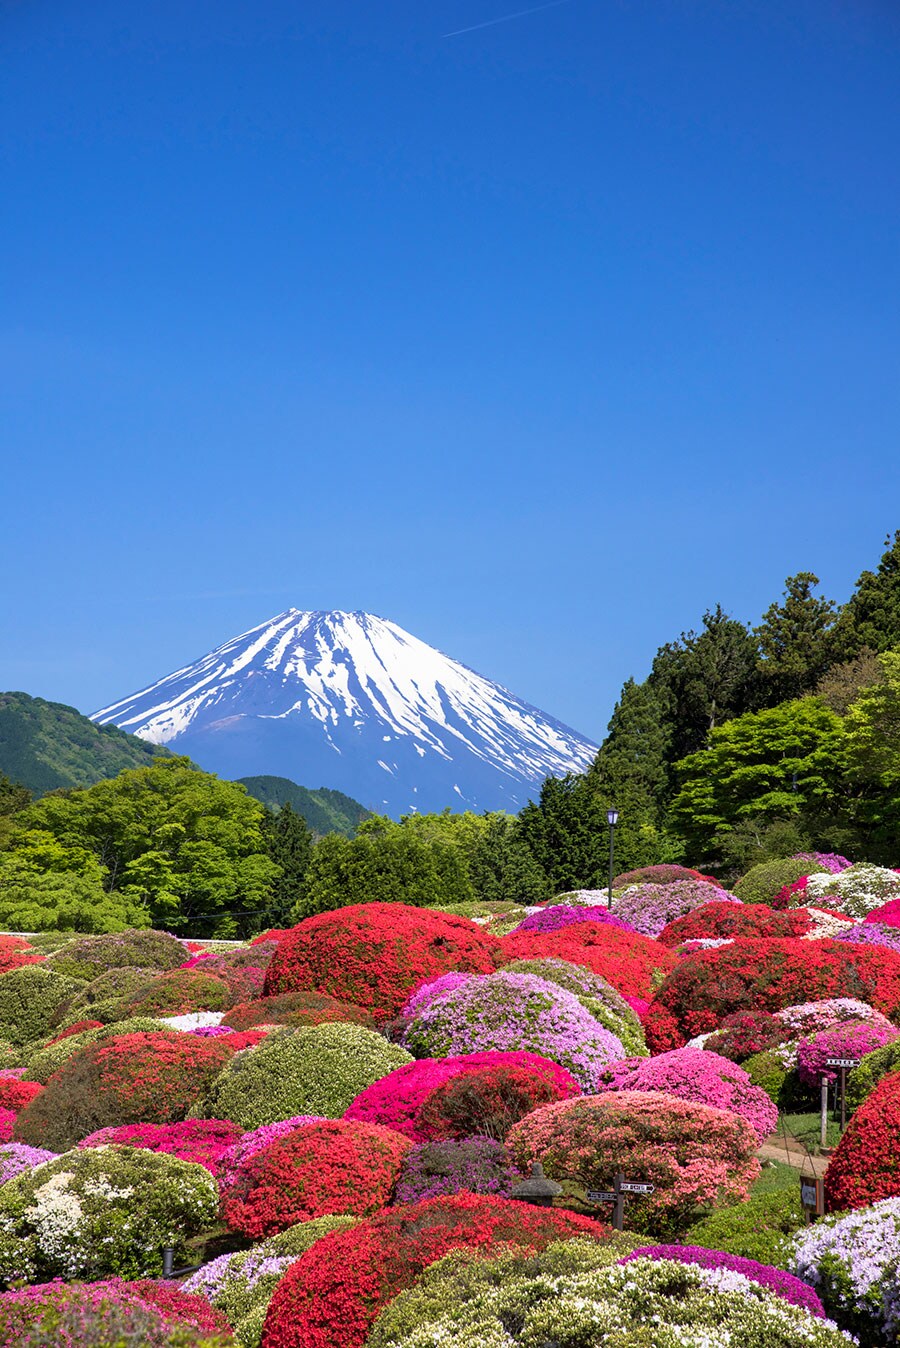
(703, 1077)
(561, 915)
(177, 993)
(202, 1141)
(865, 1165)
(331, 1296)
(666, 874)
(396, 1100)
(596, 994)
(375, 954)
(50, 1058)
(106, 1210)
(296, 1008)
(694, 1155)
(728, 920)
(760, 1228)
(486, 1102)
(762, 882)
(130, 1078)
(110, 1314)
(334, 1168)
(506, 1011)
(872, 1068)
(851, 1260)
(854, 1039)
(650, 908)
(746, 1033)
(857, 891)
(29, 998)
(248, 1144)
(632, 963)
(318, 1069)
(103, 998)
(91, 956)
(477, 1165)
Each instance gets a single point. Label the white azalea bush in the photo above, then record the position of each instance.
(101, 1212)
(569, 1299)
(852, 1262)
(855, 891)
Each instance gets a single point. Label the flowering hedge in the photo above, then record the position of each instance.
(766, 975)
(178, 993)
(596, 995)
(396, 1100)
(856, 891)
(732, 919)
(89, 956)
(318, 1069)
(130, 1078)
(565, 915)
(374, 954)
(478, 1165)
(632, 963)
(29, 998)
(331, 1296)
(203, 1141)
(295, 1008)
(101, 1211)
(854, 1039)
(486, 1102)
(109, 1314)
(650, 908)
(321, 1169)
(774, 1279)
(694, 1155)
(694, 1074)
(865, 1166)
(851, 1260)
(506, 1011)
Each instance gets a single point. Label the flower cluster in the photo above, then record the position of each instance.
(16, 1094)
(865, 1166)
(832, 862)
(650, 908)
(564, 915)
(320, 1169)
(203, 1141)
(694, 1155)
(695, 1074)
(16, 1157)
(887, 915)
(775, 1279)
(478, 1165)
(855, 891)
(632, 963)
(374, 954)
(730, 919)
(419, 999)
(853, 1262)
(852, 1039)
(616, 1013)
(515, 1011)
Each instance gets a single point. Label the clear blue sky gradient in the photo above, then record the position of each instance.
(538, 340)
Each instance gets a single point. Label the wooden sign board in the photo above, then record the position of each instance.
(812, 1195)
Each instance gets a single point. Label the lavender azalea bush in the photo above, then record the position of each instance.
(649, 908)
(872, 933)
(774, 1279)
(15, 1157)
(477, 1164)
(852, 1262)
(509, 1012)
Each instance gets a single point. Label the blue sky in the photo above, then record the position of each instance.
(539, 339)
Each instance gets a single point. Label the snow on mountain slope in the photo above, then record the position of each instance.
(353, 702)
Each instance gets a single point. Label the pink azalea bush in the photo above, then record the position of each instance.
(203, 1141)
(697, 1075)
(566, 915)
(853, 1039)
(808, 1018)
(396, 1100)
(832, 862)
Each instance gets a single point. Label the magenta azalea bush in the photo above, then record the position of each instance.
(649, 908)
(565, 915)
(853, 1039)
(832, 862)
(773, 1279)
(203, 1141)
(506, 1012)
(250, 1143)
(697, 1075)
(477, 1165)
(395, 1101)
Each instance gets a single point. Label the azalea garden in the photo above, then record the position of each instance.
(317, 1138)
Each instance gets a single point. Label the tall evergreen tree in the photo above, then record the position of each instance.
(795, 639)
(631, 764)
(289, 843)
(871, 617)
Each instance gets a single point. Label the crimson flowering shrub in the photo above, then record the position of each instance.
(561, 915)
(203, 1141)
(659, 875)
(375, 954)
(237, 1039)
(694, 1074)
(15, 1095)
(178, 992)
(476, 1165)
(854, 1039)
(130, 1078)
(774, 1279)
(76, 1028)
(887, 915)
(746, 1033)
(332, 1295)
(295, 1008)
(487, 1102)
(650, 908)
(766, 975)
(7, 1121)
(339, 1166)
(865, 1166)
(15, 952)
(731, 919)
(695, 1155)
(791, 895)
(632, 963)
(397, 1100)
(248, 1144)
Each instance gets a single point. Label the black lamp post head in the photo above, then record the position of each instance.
(612, 816)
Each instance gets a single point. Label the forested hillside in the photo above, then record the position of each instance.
(325, 811)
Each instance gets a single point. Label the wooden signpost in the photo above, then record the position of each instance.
(617, 1194)
(844, 1065)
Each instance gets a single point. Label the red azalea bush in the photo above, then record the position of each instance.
(332, 1295)
(865, 1166)
(322, 1169)
(888, 913)
(16, 952)
(296, 1008)
(746, 1033)
(178, 993)
(76, 1028)
(631, 962)
(695, 1155)
(15, 1095)
(375, 954)
(766, 975)
(487, 1102)
(151, 1077)
(717, 920)
(239, 1039)
(203, 1141)
(660, 875)
(396, 1100)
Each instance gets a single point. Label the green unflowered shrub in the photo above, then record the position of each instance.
(29, 998)
(94, 955)
(178, 993)
(761, 883)
(318, 1069)
(780, 1083)
(760, 1229)
(862, 1081)
(103, 998)
(100, 1212)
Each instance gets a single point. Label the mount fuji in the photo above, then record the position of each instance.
(357, 703)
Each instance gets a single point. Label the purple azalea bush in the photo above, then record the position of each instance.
(872, 933)
(774, 1279)
(16, 1157)
(511, 1012)
(564, 915)
(829, 861)
(852, 1039)
(479, 1165)
(649, 908)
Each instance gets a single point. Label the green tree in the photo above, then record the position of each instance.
(631, 765)
(781, 763)
(872, 748)
(795, 640)
(871, 617)
(289, 844)
(61, 901)
(179, 842)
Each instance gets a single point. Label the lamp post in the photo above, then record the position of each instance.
(612, 818)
